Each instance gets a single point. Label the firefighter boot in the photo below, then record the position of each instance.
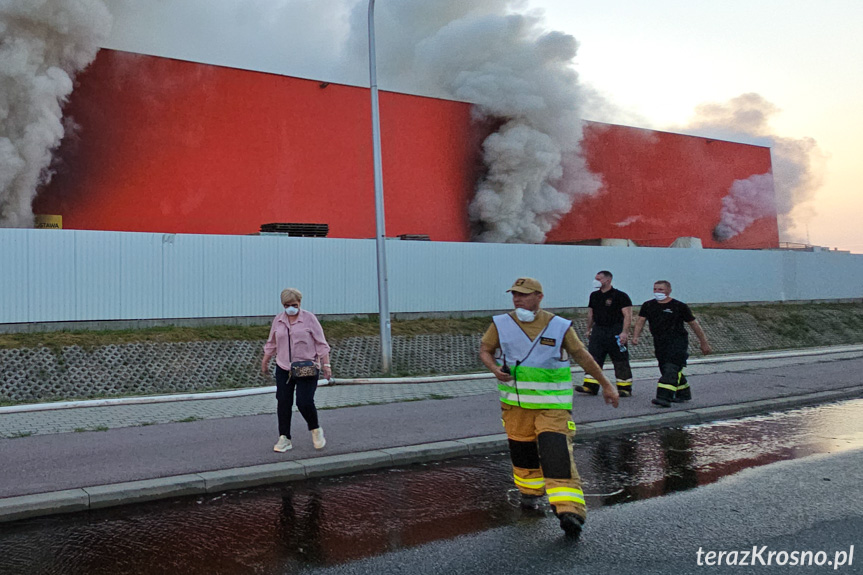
(590, 386)
(684, 392)
(666, 387)
(571, 524)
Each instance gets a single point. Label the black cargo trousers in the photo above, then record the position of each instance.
(671, 354)
(601, 344)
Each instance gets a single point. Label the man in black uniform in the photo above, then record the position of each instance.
(670, 342)
(609, 315)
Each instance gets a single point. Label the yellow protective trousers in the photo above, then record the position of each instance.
(540, 447)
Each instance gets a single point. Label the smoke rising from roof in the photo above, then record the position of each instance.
(514, 72)
(798, 163)
(43, 44)
(747, 201)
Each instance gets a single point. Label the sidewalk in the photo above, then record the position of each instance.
(168, 448)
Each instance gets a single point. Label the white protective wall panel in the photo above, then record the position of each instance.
(183, 265)
(141, 277)
(51, 276)
(14, 276)
(826, 275)
(68, 275)
(221, 286)
(258, 281)
(97, 275)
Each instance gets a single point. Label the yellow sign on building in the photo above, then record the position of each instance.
(44, 222)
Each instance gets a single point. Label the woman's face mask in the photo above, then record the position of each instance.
(292, 310)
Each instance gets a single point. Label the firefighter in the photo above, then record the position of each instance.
(609, 315)
(524, 349)
(667, 317)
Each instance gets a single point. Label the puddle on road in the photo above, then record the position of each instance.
(281, 529)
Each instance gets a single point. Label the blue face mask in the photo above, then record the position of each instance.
(659, 296)
(292, 310)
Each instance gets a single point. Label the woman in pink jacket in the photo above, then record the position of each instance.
(296, 335)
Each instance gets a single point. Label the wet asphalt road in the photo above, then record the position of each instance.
(813, 504)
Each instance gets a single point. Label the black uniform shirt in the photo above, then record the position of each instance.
(607, 306)
(666, 319)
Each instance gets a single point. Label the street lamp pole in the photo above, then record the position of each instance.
(380, 222)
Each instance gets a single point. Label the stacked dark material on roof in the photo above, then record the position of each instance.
(421, 237)
(297, 230)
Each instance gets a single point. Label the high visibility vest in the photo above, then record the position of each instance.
(541, 380)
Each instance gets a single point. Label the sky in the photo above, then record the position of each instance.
(647, 64)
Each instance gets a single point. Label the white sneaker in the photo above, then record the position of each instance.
(283, 445)
(318, 438)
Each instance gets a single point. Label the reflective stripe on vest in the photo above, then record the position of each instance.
(541, 380)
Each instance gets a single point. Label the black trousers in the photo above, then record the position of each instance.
(602, 343)
(671, 354)
(305, 389)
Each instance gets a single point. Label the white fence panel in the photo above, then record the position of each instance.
(14, 277)
(97, 263)
(183, 264)
(50, 280)
(827, 275)
(221, 264)
(69, 275)
(141, 277)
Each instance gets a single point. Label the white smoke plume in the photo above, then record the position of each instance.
(43, 44)
(516, 74)
(747, 201)
(798, 164)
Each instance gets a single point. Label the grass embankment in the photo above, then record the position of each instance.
(794, 324)
(334, 330)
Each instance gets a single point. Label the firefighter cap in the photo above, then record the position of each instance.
(526, 285)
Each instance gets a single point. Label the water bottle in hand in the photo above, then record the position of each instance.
(619, 344)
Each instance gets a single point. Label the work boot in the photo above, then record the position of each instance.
(585, 389)
(318, 438)
(624, 391)
(660, 402)
(283, 445)
(571, 524)
(531, 503)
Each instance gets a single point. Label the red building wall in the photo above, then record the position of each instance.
(172, 146)
(659, 186)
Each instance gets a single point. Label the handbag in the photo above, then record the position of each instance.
(302, 369)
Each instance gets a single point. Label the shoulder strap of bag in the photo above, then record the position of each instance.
(290, 344)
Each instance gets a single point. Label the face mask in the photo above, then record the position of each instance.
(659, 296)
(597, 284)
(292, 310)
(525, 315)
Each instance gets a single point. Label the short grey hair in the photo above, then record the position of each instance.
(291, 294)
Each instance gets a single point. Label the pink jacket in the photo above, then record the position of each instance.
(307, 339)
